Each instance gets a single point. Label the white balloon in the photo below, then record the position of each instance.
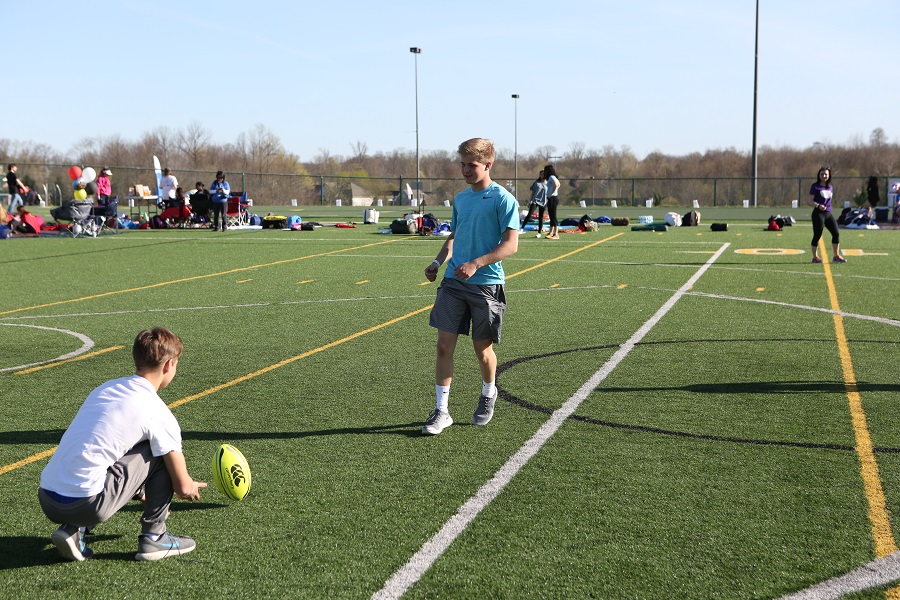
(89, 174)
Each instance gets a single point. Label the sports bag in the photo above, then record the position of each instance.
(403, 226)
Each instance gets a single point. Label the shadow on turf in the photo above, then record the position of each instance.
(765, 387)
(413, 429)
(30, 551)
(48, 436)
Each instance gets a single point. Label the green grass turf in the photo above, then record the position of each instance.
(716, 460)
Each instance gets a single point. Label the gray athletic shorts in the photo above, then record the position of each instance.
(459, 304)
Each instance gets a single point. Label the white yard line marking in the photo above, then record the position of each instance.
(872, 574)
(407, 575)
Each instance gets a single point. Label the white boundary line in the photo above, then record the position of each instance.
(87, 344)
(407, 575)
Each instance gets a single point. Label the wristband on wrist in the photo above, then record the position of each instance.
(436, 262)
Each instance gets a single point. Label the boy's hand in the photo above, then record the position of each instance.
(465, 270)
(195, 493)
(431, 272)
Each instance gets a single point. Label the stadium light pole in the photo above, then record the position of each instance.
(515, 98)
(753, 174)
(417, 52)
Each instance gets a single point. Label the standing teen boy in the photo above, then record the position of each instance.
(124, 441)
(484, 231)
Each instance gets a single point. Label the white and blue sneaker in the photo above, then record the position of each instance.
(70, 543)
(167, 545)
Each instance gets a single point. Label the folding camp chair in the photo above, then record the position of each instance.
(236, 212)
(78, 214)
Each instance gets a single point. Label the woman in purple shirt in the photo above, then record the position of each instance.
(820, 199)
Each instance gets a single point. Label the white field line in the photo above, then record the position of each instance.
(407, 575)
(876, 573)
(86, 344)
(242, 306)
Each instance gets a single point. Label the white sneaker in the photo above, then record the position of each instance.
(538, 236)
(437, 421)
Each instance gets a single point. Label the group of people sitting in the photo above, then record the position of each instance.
(178, 207)
(21, 221)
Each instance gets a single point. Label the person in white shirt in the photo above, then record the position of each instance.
(123, 443)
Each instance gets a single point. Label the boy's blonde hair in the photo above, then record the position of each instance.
(153, 347)
(480, 147)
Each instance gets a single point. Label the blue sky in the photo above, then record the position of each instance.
(676, 77)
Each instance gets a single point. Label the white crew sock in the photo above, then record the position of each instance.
(442, 393)
(489, 389)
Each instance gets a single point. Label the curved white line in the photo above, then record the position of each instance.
(87, 344)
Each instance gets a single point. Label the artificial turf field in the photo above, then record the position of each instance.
(687, 414)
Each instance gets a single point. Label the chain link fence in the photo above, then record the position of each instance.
(52, 182)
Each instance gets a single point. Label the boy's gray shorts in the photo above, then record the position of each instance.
(458, 304)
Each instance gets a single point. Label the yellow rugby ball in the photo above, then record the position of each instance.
(231, 472)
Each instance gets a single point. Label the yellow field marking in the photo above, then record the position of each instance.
(425, 283)
(621, 286)
(287, 361)
(243, 280)
(555, 285)
(194, 278)
(362, 282)
(292, 359)
(878, 514)
(305, 281)
(560, 257)
(859, 252)
(27, 461)
(760, 289)
(62, 362)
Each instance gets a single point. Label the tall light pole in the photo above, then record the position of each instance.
(417, 52)
(515, 98)
(755, 79)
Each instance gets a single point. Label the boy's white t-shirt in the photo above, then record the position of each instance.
(114, 418)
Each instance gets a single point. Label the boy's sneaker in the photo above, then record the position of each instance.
(816, 260)
(71, 546)
(839, 259)
(484, 412)
(538, 236)
(437, 421)
(168, 545)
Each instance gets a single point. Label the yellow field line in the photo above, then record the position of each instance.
(878, 513)
(194, 278)
(68, 360)
(292, 359)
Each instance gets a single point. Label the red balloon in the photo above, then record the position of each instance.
(74, 172)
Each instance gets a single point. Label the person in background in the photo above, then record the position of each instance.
(167, 186)
(538, 201)
(24, 221)
(15, 188)
(104, 186)
(820, 196)
(219, 191)
(123, 443)
(483, 232)
(552, 200)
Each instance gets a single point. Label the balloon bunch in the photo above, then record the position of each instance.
(83, 181)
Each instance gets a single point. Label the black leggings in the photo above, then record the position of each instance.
(552, 204)
(823, 219)
(531, 208)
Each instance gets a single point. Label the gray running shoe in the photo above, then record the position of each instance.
(168, 545)
(437, 421)
(71, 546)
(484, 412)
